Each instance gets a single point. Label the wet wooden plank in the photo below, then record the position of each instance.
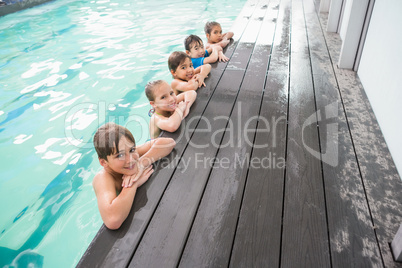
(211, 237)
(304, 239)
(258, 236)
(116, 247)
(165, 236)
(11, 8)
(382, 183)
(352, 238)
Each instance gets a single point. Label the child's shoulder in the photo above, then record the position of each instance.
(102, 179)
(175, 84)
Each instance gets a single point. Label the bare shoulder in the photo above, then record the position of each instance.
(103, 181)
(179, 86)
(175, 83)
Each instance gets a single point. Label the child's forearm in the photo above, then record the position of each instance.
(192, 84)
(173, 122)
(159, 149)
(117, 211)
(213, 57)
(228, 35)
(205, 70)
(190, 97)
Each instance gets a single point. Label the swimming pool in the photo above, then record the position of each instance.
(67, 67)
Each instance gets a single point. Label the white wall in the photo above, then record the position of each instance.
(345, 17)
(380, 72)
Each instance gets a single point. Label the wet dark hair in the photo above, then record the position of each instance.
(209, 25)
(107, 137)
(150, 87)
(192, 39)
(176, 58)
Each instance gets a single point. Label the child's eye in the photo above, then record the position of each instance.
(132, 150)
(120, 155)
(162, 97)
(171, 92)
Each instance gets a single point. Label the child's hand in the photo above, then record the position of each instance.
(182, 107)
(129, 180)
(187, 110)
(200, 80)
(194, 81)
(224, 42)
(222, 57)
(145, 175)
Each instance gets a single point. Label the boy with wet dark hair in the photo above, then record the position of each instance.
(125, 168)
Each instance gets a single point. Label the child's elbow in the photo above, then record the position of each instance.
(113, 224)
(172, 128)
(192, 95)
(165, 143)
(171, 143)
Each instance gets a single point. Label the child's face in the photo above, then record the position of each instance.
(125, 160)
(185, 71)
(216, 34)
(165, 99)
(196, 50)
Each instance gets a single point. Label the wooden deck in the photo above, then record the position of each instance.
(224, 197)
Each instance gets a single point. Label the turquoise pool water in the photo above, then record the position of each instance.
(67, 67)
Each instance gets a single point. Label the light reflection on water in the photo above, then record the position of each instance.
(67, 67)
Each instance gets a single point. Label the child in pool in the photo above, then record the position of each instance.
(199, 56)
(169, 109)
(185, 77)
(213, 31)
(125, 168)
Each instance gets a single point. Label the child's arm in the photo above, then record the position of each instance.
(172, 123)
(228, 35)
(153, 150)
(189, 98)
(178, 85)
(213, 55)
(150, 152)
(203, 73)
(114, 208)
(226, 39)
(222, 57)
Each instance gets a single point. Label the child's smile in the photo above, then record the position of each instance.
(185, 71)
(165, 99)
(125, 160)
